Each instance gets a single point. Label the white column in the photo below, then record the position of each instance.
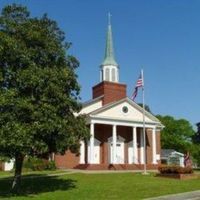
(114, 136)
(154, 146)
(141, 147)
(110, 75)
(82, 152)
(135, 153)
(91, 143)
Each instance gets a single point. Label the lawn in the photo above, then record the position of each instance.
(45, 172)
(96, 186)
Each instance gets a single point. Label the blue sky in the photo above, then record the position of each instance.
(160, 36)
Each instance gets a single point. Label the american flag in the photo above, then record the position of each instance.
(139, 84)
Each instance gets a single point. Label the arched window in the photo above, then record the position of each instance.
(113, 75)
(107, 74)
(102, 78)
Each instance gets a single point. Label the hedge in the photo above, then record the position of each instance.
(173, 169)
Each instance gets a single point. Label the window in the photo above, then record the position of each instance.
(113, 75)
(125, 109)
(102, 78)
(107, 74)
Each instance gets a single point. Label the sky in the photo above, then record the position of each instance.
(162, 37)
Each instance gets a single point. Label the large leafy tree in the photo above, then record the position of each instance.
(196, 137)
(177, 133)
(39, 91)
(196, 145)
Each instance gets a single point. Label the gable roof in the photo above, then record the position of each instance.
(90, 102)
(132, 103)
(91, 105)
(165, 153)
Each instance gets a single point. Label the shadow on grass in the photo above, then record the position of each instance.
(35, 184)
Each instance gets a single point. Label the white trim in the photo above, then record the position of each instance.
(133, 104)
(110, 74)
(102, 120)
(91, 143)
(141, 147)
(114, 135)
(135, 152)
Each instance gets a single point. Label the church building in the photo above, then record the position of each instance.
(116, 126)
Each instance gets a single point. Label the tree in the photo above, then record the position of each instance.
(177, 134)
(39, 92)
(146, 107)
(196, 137)
(196, 145)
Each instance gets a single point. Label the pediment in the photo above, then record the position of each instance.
(124, 109)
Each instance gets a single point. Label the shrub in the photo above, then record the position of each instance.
(174, 169)
(51, 165)
(37, 164)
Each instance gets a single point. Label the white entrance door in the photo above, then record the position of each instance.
(119, 151)
(96, 159)
(96, 154)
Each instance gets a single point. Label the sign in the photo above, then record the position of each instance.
(174, 160)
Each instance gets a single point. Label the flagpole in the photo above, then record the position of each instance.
(144, 135)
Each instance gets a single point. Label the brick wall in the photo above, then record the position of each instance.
(102, 133)
(158, 145)
(111, 91)
(68, 160)
(149, 146)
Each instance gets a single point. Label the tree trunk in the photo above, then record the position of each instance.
(19, 158)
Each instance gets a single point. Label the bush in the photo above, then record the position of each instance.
(174, 169)
(37, 164)
(51, 165)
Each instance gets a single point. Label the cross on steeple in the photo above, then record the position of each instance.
(109, 18)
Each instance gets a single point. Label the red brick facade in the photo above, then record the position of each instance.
(68, 160)
(102, 133)
(111, 91)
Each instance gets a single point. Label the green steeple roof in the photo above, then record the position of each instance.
(109, 58)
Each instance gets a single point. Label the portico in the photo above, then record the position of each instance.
(121, 143)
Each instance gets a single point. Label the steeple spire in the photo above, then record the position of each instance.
(109, 58)
(109, 67)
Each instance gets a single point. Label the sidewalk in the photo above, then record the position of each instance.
(85, 171)
(195, 195)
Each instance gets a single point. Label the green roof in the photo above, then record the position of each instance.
(109, 58)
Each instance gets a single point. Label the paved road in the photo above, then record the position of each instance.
(182, 196)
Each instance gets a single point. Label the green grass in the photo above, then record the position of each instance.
(96, 186)
(11, 173)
